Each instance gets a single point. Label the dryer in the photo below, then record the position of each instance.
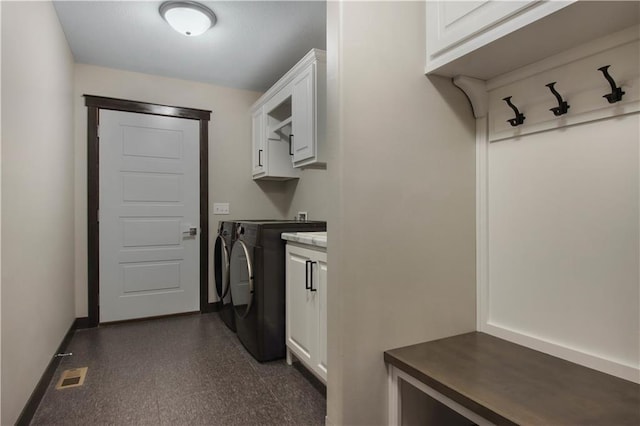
(221, 255)
(257, 283)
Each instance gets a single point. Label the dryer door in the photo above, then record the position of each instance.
(221, 268)
(241, 279)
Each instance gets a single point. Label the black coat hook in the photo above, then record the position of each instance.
(563, 106)
(519, 119)
(616, 92)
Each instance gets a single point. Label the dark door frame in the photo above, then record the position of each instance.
(94, 105)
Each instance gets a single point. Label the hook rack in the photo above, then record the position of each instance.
(519, 118)
(616, 92)
(563, 106)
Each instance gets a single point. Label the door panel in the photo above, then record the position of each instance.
(148, 187)
(149, 198)
(146, 142)
(151, 276)
(151, 232)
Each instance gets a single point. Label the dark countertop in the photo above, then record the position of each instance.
(510, 384)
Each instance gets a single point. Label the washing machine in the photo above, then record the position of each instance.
(257, 283)
(221, 255)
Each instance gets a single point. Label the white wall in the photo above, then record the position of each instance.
(559, 240)
(37, 197)
(564, 241)
(229, 150)
(402, 202)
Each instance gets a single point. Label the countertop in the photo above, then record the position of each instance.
(316, 239)
(510, 384)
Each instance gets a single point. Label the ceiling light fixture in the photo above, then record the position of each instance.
(187, 17)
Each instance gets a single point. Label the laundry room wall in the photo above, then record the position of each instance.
(401, 249)
(229, 150)
(310, 193)
(37, 197)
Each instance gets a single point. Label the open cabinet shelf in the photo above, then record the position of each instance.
(280, 128)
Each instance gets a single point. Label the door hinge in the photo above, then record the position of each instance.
(98, 131)
(98, 215)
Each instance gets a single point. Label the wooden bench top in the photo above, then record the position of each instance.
(510, 384)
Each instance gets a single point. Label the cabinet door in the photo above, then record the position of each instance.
(320, 269)
(300, 318)
(452, 22)
(258, 142)
(459, 28)
(303, 115)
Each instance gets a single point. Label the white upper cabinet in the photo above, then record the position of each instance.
(457, 22)
(484, 38)
(270, 156)
(292, 113)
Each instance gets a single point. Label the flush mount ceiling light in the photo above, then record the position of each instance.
(187, 17)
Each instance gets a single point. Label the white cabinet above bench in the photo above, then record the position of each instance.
(288, 121)
(484, 39)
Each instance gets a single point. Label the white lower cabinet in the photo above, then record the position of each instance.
(306, 304)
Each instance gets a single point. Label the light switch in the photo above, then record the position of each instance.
(220, 208)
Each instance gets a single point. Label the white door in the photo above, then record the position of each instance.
(148, 209)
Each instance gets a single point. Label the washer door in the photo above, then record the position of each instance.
(221, 268)
(241, 279)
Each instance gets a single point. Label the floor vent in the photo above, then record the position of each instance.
(72, 378)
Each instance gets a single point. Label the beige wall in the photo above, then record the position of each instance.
(0, 212)
(309, 194)
(37, 197)
(229, 150)
(402, 216)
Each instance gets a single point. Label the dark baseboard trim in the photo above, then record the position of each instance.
(36, 396)
(81, 323)
(211, 307)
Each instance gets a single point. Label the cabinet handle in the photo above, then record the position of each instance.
(306, 275)
(311, 263)
(290, 144)
(260, 157)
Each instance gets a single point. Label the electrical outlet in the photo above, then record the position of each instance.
(220, 208)
(302, 216)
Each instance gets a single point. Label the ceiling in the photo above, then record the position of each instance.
(251, 46)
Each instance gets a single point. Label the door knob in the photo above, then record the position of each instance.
(192, 232)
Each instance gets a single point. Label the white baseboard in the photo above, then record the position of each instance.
(577, 356)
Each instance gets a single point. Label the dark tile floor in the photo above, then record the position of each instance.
(178, 371)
